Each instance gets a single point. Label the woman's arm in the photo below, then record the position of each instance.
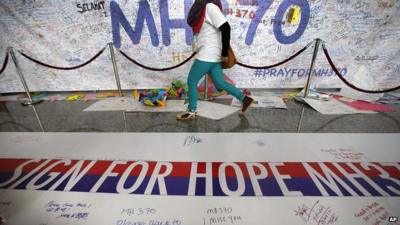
(226, 38)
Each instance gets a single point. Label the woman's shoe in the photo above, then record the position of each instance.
(188, 115)
(246, 103)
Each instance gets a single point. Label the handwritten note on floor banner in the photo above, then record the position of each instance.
(263, 102)
(58, 208)
(333, 107)
(202, 178)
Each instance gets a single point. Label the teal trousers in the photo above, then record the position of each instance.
(214, 69)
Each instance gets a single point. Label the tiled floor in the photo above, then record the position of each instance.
(64, 116)
(271, 174)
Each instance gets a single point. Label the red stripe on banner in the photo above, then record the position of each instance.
(334, 169)
(392, 170)
(294, 169)
(368, 172)
(181, 169)
(347, 168)
(100, 167)
(370, 169)
(61, 168)
(9, 165)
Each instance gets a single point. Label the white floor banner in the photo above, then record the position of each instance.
(218, 178)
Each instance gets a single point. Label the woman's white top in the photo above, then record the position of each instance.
(209, 38)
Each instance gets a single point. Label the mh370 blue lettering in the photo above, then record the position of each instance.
(145, 14)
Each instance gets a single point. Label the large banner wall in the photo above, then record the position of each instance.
(363, 38)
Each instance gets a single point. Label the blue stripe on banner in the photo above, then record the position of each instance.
(5, 176)
(388, 185)
(305, 185)
(368, 187)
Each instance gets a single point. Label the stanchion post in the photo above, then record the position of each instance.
(22, 78)
(38, 118)
(206, 87)
(314, 58)
(300, 121)
(30, 102)
(114, 62)
(117, 80)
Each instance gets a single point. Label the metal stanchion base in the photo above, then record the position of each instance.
(27, 103)
(210, 99)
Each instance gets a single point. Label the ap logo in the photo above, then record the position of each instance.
(393, 219)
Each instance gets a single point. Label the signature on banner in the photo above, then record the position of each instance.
(376, 214)
(222, 215)
(344, 154)
(192, 139)
(141, 215)
(78, 211)
(3, 219)
(317, 213)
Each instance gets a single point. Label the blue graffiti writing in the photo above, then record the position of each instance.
(145, 14)
(167, 24)
(262, 9)
(305, 15)
(300, 73)
(278, 32)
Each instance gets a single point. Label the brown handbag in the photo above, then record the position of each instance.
(231, 61)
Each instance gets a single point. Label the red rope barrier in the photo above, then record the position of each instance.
(157, 69)
(276, 64)
(348, 83)
(63, 68)
(4, 64)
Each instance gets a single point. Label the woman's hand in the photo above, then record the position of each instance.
(224, 58)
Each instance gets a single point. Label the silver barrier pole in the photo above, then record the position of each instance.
(117, 80)
(125, 123)
(300, 121)
(314, 58)
(114, 62)
(22, 78)
(37, 118)
(206, 87)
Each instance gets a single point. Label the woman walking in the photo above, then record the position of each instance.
(213, 34)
